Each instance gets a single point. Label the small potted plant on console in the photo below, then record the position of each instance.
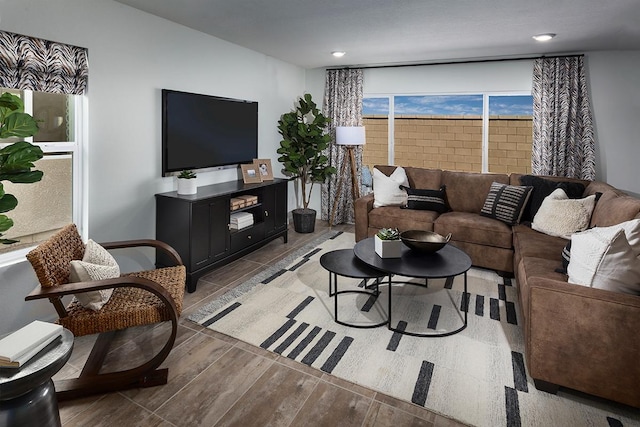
(187, 182)
(388, 243)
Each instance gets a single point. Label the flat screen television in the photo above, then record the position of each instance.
(203, 131)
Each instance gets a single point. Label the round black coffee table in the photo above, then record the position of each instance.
(342, 262)
(447, 262)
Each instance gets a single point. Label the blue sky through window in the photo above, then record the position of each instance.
(450, 105)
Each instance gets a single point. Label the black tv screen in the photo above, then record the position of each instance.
(203, 131)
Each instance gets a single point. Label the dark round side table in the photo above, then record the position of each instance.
(343, 262)
(27, 395)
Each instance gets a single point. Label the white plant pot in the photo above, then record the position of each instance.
(388, 248)
(187, 186)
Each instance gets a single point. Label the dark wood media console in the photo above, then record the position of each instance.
(198, 225)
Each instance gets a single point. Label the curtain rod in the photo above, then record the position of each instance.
(470, 61)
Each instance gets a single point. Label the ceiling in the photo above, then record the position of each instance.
(378, 32)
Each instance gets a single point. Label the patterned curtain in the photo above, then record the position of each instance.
(28, 63)
(343, 105)
(563, 138)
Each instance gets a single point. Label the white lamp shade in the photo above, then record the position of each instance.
(350, 135)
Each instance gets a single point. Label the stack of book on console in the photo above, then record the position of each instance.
(18, 348)
(240, 220)
(237, 203)
(249, 200)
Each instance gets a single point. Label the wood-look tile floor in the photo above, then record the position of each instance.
(216, 380)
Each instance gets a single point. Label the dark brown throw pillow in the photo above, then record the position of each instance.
(542, 188)
(428, 200)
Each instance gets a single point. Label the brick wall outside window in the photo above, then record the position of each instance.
(451, 142)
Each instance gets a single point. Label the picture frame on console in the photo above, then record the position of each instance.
(250, 174)
(263, 166)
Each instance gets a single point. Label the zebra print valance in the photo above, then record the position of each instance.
(29, 63)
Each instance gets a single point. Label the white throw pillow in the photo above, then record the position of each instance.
(631, 230)
(602, 258)
(561, 216)
(97, 264)
(386, 189)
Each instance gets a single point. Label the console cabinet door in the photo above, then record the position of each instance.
(275, 208)
(209, 231)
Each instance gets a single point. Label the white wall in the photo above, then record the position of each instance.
(132, 56)
(503, 76)
(614, 80)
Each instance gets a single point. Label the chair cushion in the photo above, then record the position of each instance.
(97, 264)
(129, 307)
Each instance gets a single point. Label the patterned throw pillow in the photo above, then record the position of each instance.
(506, 202)
(97, 264)
(565, 258)
(428, 200)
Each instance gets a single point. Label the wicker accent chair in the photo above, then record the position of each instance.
(140, 298)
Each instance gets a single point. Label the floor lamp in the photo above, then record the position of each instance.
(348, 137)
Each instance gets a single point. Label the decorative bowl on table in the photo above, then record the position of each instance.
(424, 241)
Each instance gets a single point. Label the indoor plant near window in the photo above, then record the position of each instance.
(304, 139)
(16, 159)
(187, 182)
(388, 243)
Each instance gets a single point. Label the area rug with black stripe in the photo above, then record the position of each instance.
(477, 376)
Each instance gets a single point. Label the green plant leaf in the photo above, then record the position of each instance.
(22, 177)
(8, 202)
(18, 124)
(5, 223)
(19, 157)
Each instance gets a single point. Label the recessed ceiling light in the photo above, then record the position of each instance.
(338, 53)
(544, 37)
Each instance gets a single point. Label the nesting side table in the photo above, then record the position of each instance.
(343, 262)
(27, 395)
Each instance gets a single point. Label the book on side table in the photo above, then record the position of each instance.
(19, 347)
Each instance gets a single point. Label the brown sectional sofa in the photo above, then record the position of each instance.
(578, 337)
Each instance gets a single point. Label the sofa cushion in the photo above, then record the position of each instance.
(613, 208)
(530, 243)
(402, 219)
(542, 187)
(561, 216)
(427, 200)
(506, 202)
(423, 178)
(474, 228)
(603, 258)
(386, 189)
(467, 191)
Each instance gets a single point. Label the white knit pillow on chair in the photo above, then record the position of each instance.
(97, 264)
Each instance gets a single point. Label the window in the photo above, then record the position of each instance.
(47, 205)
(450, 132)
